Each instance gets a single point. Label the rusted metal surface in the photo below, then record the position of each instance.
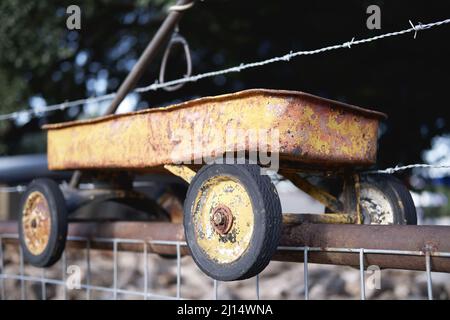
(184, 172)
(392, 237)
(36, 223)
(317, 193)
(222, 219)
(227, 233)
(351, 195)
(141, 231)
(302, 128)
(141, 65)
(381, 237)
(173, 205)
(341, 218)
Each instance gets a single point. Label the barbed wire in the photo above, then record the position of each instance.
(243, 66)
(276, 180)
(18, 188)
(407, 167)
(55, 107)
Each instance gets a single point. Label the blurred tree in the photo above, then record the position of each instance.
(403, 77)
(39, 56)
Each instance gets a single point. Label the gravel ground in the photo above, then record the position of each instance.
(280, 280)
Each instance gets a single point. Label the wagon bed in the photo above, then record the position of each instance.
(312, 131)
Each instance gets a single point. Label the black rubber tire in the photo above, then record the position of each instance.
(58, 226)
(267, 222)
(397, 194)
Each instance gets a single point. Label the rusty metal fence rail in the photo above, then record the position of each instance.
(180, 249)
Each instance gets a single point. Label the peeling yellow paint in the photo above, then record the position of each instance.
(184, 172)
(36, 223)
(223, 191)
(312, 131)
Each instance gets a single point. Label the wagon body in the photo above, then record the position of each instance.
(303, 129)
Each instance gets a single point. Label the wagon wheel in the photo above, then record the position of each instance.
(42, 223)
(232, 221)
(384, 199)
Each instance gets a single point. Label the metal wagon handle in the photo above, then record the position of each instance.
(176, 39)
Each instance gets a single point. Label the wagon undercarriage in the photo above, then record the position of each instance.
(223, 148)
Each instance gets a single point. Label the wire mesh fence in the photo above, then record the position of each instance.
(36, 283)
(77, 277)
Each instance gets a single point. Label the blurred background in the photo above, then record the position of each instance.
(43, 63)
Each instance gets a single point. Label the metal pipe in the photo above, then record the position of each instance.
(22, 169)
(396, 247)
(331, 218)
(381, 244)
(325, 198)
(161, 36)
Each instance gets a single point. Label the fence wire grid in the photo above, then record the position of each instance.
(115, 290)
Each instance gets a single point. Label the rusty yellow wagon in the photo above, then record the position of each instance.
(224, 147)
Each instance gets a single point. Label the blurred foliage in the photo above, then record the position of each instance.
(400, 76)
(37, 56)
(441, 210)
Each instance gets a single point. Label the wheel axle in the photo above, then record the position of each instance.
(222, 219)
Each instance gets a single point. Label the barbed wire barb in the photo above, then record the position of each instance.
(348, 44)
(392, 170)
(243, 66)
(398, 168)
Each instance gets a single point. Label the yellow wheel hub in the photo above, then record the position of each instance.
(223, 219)
(36, 222)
